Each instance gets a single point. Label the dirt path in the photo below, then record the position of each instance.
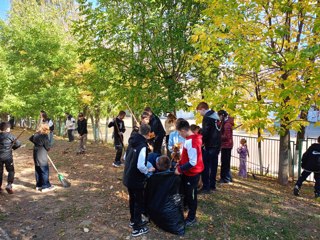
(94, 207)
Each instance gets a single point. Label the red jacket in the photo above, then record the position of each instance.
(191, 162)
(226, 133)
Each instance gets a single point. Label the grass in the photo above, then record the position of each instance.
(251, 209)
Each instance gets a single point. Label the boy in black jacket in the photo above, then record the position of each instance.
(7, 143)
(83, 131)
(211, 138)
(158, 130)
(134, 178)
(118, 130)
(310, 163)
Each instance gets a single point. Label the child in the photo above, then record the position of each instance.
(7, 143)
(134, 178)
(70, 126)
(310, 163)
(40, 156)
(163, 164)
(118, 130)
(45, 119)
(190, 166)
(243, 153)
(83, 131)
(195, 128)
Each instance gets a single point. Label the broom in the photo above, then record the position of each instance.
(65, 183)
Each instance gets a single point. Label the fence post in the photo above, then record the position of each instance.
(300, 157)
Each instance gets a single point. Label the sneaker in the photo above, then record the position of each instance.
(139, 231)
(48, 189)
(9, 188)
(317, 195)
(189, 222)
(296, 190)
(38, 189)
(117, 165)
(143, 223)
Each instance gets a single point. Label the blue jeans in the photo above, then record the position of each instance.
(50, 139)
(42, 176)
(209, 174)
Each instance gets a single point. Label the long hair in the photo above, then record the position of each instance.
(171, 118)
(43, 128)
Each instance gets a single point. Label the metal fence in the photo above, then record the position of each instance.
(270, 148)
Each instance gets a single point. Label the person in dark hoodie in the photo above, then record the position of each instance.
(310, 163)
(118, 130)
(211, 137)
(227, 124)
(40, 156)
(190, 166)
(83, 131)
(134, 177)
(157, 129)
(7, 143)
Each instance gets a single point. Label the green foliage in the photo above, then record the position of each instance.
(145, 43)
(39, 53)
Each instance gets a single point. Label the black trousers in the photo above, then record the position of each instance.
(190, 193)
(158, 144)
(225, 174)
(10, 169)
(119, 148)
(304, 175)
(70, 135)
(136, 205)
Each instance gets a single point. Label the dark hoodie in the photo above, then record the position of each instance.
(211, 135)
(226, 133)
(7, 143)
(132, 177)
(311, 158)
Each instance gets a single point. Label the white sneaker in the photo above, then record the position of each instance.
(38, 189)
(48, 189)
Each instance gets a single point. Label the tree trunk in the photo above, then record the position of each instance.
(106, 136)
(283, 176)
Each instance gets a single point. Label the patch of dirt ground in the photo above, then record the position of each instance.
(95, 206)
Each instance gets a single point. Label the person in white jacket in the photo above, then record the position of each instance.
(70, 126)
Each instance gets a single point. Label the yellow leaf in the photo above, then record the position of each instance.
(194, 38)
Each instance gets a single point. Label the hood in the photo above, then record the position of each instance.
(212, 114)
(315, 147)
(230, 120)
(136, 139)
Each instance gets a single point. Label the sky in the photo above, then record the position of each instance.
(5, 6)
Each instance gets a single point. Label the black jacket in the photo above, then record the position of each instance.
(118, 127)
(211, 135)
(82, 127)
(7, 143)
(157, 127)
(311, 158)
(132, 177)
(41, 148)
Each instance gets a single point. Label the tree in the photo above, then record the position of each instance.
(40, 54)
(271, 45)
(146, 43)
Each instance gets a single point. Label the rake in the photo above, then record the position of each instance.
(65, 183)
